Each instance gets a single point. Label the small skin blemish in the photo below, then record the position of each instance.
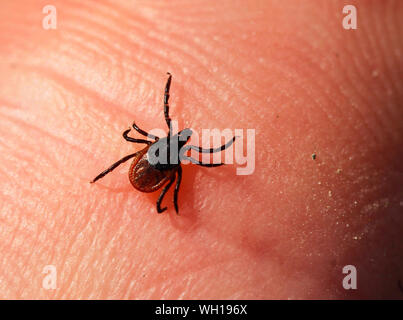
(313, 156)
(338, 171)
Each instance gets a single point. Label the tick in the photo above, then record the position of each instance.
(159, 163)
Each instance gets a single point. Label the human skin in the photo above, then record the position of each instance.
(287, 69)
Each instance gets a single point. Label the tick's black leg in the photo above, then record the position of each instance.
(127, 138)
(212, 150)
(176, 191)
(209, 164)
(146, 134)
(112, 167)
(159, 210)
(201, 163)
(166, 104)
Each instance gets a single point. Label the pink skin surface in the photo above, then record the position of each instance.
(287, 69)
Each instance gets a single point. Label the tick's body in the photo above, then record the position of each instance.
(145, 177)
(159, 163)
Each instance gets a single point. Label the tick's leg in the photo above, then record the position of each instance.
(127, 138)
(166, 104)
(112, 167)
(212, 150)
(209, 164)
(146, 134)
(176, 191)
(159, 210)
(201, 163)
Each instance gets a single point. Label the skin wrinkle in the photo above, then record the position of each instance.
(373, 46)
(311, 98)
(357, 69)
(40, 160)
(33, 127)
(81, 260)
(319, 90)
(389, 71)
(54, 75)
(17, 228)
(380, 38)
(378, 122)
(71, 86)
(94, 273)
(193, 60)
(193, 272)
(361, 97)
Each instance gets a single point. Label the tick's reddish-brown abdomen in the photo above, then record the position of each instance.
(144, 177)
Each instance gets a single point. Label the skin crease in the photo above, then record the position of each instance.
(286, 69)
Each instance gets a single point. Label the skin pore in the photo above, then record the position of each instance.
(286, 69)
